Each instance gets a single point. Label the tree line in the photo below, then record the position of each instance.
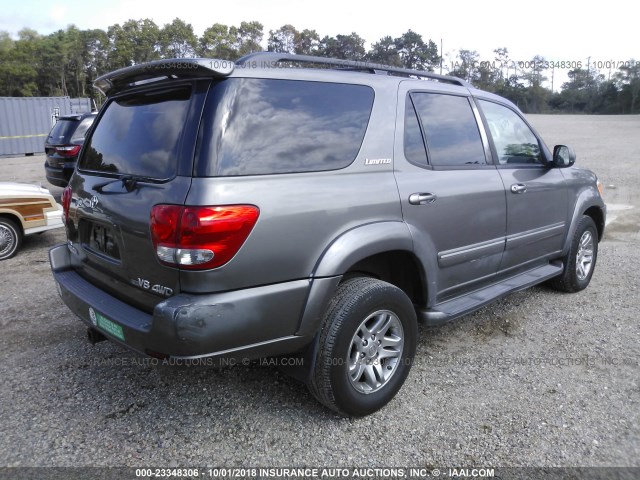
(67, 62)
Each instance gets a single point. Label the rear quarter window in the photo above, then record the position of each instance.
(264, 126)
(81, 130)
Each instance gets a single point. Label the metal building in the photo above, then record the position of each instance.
(25, 122)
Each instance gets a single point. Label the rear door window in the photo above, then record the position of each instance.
(449, 127)
(139, 135)
(266, 126)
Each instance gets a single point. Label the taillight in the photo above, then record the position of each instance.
(66, 201)
(68, 151)
(199, 238)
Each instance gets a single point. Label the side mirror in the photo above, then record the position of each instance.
(563, 156)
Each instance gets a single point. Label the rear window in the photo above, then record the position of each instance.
(260, 126)
(62, 130)
(139, 135)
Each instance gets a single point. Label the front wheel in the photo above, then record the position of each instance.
(580, 262)
(367, 345)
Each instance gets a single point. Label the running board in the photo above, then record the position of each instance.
(450, 309)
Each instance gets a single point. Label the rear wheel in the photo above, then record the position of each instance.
(580, 262)
(10, 238)
(367, 345)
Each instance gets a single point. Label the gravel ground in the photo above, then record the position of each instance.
(537, 379)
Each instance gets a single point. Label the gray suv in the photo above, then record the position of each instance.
(251, 209)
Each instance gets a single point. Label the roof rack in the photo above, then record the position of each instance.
(266, 59)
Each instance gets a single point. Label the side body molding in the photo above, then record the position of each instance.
(346, 250)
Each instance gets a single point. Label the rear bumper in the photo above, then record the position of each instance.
(242, 324)
(58, 176)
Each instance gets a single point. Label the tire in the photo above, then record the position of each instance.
(355, 373)
(580, 262)
(10, 238)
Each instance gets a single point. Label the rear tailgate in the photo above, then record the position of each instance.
(140, 154)
(60, 136)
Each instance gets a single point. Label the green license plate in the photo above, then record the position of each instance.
(107, 325)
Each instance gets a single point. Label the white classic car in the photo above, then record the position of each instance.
(25, 209)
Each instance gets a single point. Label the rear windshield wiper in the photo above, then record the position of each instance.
(129, 183)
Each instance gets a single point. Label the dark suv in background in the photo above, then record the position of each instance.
(63, 146)
(253, 209)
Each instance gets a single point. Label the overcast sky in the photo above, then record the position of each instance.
(554, 29)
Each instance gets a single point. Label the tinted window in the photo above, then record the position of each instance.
(414, 148)
(139, 135)
(258, 126)
(513, 139)
(450, 129)
(61, 131)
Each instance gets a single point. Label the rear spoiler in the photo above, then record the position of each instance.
(119, 80)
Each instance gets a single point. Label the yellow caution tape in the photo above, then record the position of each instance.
(25, 136)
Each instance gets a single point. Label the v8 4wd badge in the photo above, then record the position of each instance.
(146, 285)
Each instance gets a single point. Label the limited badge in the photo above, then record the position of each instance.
(377, 161)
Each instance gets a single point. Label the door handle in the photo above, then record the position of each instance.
(422, 198)
(518, 188)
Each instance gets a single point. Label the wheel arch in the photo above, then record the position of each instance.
(400, 268)
(588, 203)
(368, 250)
(362, 242)
(13, 216)
(598, 216)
